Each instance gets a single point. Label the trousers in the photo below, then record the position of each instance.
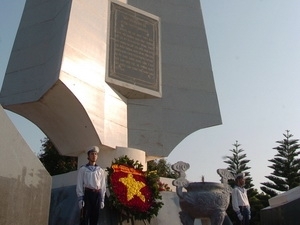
(245, 213)
(91, 207)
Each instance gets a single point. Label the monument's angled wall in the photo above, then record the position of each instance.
(64, 44)
(35, 59)
(32, 87)
(25, 185)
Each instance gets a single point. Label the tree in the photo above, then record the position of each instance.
(237, 163)
(286, 167)
(162, 168)
(54, 162)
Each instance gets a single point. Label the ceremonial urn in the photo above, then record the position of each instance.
(202, 199)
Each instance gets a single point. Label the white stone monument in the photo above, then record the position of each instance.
(57, 69)
(133, 77)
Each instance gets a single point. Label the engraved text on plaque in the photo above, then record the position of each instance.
(134, 48)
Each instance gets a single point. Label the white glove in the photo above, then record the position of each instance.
(101, 205)
(240, 216)
(81, 204)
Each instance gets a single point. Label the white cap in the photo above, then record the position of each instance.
(92, 149)
(240, 175)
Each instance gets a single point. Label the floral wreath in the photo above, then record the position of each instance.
(133, 192)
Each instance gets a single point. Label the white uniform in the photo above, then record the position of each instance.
(239, 198)
(92, 177)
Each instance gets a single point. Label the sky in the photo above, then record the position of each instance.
(255, 54)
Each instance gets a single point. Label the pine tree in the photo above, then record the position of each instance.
(286, 167)
(237, 163)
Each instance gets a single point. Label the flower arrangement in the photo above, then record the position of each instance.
(133, 192)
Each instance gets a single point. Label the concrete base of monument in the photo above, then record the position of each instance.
(64, 210)
(283, 209)
(287, 213)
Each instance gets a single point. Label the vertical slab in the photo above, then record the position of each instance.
(25, 185)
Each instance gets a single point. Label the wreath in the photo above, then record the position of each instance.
(133, 192)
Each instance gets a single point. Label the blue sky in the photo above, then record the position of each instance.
(255, 53)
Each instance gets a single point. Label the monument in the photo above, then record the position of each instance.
(133, 77)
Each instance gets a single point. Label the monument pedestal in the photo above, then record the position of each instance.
(283, 209)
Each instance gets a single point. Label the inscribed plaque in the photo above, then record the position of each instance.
(134, 49)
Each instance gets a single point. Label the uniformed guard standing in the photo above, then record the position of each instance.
(240, 201)
(91, 188)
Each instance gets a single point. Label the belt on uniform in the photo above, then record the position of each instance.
(92, 190)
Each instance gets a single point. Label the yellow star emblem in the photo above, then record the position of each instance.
(133, 187)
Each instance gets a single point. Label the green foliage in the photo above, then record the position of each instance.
(237, 163)
(54, 162)
(286, 167)
(153, 180)
(257, 202)
(162, 168)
